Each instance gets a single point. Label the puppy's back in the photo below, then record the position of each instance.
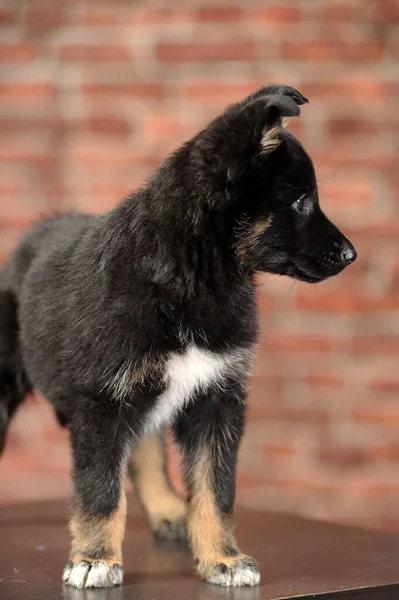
(47, 237)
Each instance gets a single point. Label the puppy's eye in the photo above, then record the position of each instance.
(300, 204)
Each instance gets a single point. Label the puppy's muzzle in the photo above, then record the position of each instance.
(348, 253)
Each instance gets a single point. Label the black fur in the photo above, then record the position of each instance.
(84, 295)
(14, 385)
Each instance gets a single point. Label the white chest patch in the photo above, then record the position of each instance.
(192, 371)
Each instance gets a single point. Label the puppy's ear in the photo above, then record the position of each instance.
(280, 90)
(264, 116)
(228, 148)
(272, 108)
(268, 114)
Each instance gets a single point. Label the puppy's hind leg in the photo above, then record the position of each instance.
(99, 444)
(14, 384)
(148, 471)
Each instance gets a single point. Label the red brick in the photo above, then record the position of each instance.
(304, 483)
(228, 92)
(162, 16)
(384, 229)
(377, 416)
(376, 344)
(351, 126)
(276, 449)
(345, 193)
(346, 302)
(279, 14)
(107, 126)
(134, 90)
(27, 92)
(22, 152)
(219, 13)
(388, 384)
(281, 413)
(165, 126)
(106, 53)
(312, 51)
(321, 50)
(338, 12)
(42, 18)
(343, 456)
(7, 17)
(295, 343)
(363, 90)
(224, 51)
(8, 239)
(245, 480)
(23, 207)
(27, 124)
(114, 192)
(386, 12)
(97, 16)
(264, 303)
(17, 53)
(322, 380)
(89, 152)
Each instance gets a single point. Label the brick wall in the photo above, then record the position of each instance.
(93, 95)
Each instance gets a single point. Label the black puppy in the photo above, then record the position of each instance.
(146, 317)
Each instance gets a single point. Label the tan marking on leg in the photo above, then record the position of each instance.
(147, 469)
(210, 532)
(97, 538)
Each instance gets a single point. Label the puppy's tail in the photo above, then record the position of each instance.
(14, 383)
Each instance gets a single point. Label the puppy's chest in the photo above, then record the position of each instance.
(189, 372)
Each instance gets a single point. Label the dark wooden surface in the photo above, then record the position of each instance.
(298, 558)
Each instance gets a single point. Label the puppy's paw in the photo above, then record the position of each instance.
(171, 531)
(168, 518)
(92, 574)
(240, 571)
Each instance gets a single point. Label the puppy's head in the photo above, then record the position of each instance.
(280, 226)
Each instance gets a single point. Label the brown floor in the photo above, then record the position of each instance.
(298, 558)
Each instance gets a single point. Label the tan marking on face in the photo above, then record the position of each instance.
(247, 240)
(261, 226)
(147, 469)
(99, 538)
(209, 531)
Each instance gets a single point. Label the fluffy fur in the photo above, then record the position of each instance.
(146, 316)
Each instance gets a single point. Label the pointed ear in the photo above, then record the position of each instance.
(279, 90)
(227, 148)
(264, 116)
(270, 109)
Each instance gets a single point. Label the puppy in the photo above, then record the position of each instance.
(145, 317)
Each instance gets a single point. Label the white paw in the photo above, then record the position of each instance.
(242, 572)
(99, 574)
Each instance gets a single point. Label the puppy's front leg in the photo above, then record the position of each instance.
(209, 433)
(100, 444)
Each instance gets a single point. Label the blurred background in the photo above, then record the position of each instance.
(94, 94)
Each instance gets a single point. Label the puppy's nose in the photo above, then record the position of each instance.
(348, 253)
